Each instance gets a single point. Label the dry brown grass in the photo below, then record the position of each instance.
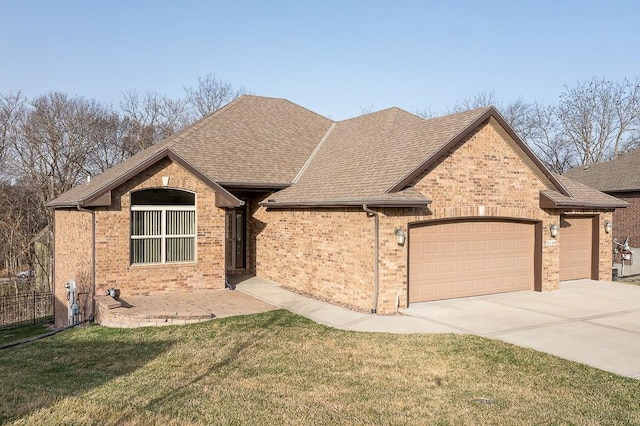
(279, 368)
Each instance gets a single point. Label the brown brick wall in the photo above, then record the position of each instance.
(113, 268)
(329, 253)
(483, 176)
(325, 252)
(605, 245)
(626, 222)
(73, 258)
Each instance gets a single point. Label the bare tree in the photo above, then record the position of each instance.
(111, 142)
(150, 118)
(19, 221)
(600, 118)
(479, 100)
(425, 113)
(12, 113)
(54, 144)
(210, 95)
(542, 135)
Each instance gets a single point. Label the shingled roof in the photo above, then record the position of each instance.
(258, 142)
(582, 196)
(618, 175)
(362, 158)
(253, 141)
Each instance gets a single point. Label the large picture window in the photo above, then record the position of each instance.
(163, 226)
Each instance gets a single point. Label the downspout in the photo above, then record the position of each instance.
(93, 259)
(376, 257)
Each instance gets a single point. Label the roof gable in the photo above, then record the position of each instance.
(98, 192)
(374, 156)
(254, 141)
(467, 123)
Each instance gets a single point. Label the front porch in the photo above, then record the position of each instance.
(174, 309)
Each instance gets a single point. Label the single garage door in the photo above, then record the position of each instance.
(575, 247)
(470, 258)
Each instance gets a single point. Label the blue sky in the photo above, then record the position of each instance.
(333, 57)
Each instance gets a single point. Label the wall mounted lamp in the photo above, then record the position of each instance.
(400, 236)
(608, 226)
(553, 228)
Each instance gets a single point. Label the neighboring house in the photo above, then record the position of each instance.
(619, 177)
(266, 187)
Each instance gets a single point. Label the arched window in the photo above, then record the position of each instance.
(163, 226)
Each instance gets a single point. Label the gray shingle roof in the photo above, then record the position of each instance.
(619, 174)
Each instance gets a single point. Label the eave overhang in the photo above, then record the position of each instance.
(548, 203)
(101, 196)
(346, 203)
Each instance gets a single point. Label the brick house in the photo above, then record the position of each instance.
(620, 178)
(373, 212)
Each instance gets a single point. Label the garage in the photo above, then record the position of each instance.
(470, 258)
(576, 247)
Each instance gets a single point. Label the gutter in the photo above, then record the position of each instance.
(93, 258)
(272, 204)
(376, 256)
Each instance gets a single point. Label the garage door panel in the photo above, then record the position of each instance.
(500, 259)
(575, 239)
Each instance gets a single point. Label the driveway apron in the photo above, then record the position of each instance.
(593, 322)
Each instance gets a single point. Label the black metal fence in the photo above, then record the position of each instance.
(26, 308)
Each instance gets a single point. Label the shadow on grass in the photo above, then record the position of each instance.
(40, 374)
(257, 327)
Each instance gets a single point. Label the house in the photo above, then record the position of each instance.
(374, 212)
(619, 177)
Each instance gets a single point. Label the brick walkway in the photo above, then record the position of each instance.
(141, 311)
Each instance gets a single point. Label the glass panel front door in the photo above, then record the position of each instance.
(235, 229)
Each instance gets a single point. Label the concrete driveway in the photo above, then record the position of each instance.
(593, 322)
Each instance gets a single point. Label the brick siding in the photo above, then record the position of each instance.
(329, 253)
(73, 260)
(113, 266)
(325, 252)
(626, 222)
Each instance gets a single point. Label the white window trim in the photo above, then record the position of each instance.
(163, 235)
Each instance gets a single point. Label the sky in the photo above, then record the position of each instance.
(333, 57)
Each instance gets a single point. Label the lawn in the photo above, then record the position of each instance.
(280, 368)
(10, 335)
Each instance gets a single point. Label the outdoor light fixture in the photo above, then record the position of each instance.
(608, 226)
(553, 228)
(400, 236)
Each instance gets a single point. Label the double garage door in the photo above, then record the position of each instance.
(471, 258)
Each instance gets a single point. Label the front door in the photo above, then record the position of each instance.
(235, 230)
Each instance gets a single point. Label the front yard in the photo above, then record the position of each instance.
(280, 368)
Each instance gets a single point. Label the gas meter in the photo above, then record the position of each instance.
(72, 297)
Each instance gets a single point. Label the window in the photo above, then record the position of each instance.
(163, 226)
